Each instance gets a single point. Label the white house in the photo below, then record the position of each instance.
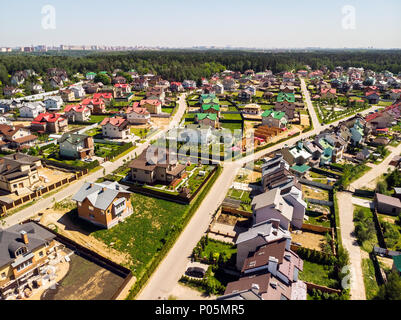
(136, 115)
(115, 128)
(32, 109)
(53, 103)
(79, 92)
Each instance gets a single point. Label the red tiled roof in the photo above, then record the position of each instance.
(116, 121)
(92, 101)
(137, 110)
(153, 102)
(47, 117)
(104, 95)
(76, 108)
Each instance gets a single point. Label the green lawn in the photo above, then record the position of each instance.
(96, 118)
(144, 233)
(217, 247)
(103, 150)
(232, 126)
(367, 245)
(369, 279)
(167, 110)
(319, 274)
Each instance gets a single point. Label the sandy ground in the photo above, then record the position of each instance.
(23, 123)
(181, 292)
(305, 120)
(67, 228)
(309, 240)
(315, 193)
(387, 262)
(61, 271)
(350, 243)
(53, 175)
(161, 123)
(249, 176)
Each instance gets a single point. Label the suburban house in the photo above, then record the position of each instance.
(156, 93)
(78, 91)
(218, 88)
(137, 115)
(176, 87)
(67, 95)
(252, 109)
(276, 174)
(77, 113)
(24, 252)
(16, 137)
(207, 119)
(156, 165)
(286, 103)
(395, 94)
(18, 172)
(363, 155)
(50, 123)
(97, 106)
(274, 119)
(271, 272)
(388, 205)
(105, 96)
(140, 84)
(76, 146)
(245, 95)
(196, 134)
(90, 75)
(296, 155)
(373, 97)
(328, 93)
(56, 82)
(31, 109)
(153, 106)
(122, 89)
(258, 235)
(229, 84)
(189, 84)
(115, 128)
(53, 103)
(357, 133)
(103, 204)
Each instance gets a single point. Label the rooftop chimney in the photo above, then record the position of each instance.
(272, 266)
(24, 236)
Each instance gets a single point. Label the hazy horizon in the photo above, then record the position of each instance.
(178, 24)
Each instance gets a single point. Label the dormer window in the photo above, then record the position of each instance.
(21, 251)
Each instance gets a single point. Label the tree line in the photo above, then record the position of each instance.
(192, 64)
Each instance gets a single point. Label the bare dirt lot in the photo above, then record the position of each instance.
(84, 280)
(309, 240)
(161, 123)
(60, 220)
(50, 176)
(315, 193)
(248, 176)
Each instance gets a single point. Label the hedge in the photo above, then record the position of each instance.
(176, 231)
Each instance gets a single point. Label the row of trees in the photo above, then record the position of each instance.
(190, 64)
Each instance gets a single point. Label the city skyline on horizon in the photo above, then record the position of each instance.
(293, 25)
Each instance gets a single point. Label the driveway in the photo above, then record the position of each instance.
(346, 210)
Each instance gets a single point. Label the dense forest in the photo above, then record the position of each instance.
(191, 64)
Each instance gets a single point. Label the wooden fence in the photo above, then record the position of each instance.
(38, 193)
(310, 286)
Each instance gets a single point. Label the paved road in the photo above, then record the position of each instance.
(368, 180)
(346, 210)
(308, 101)
(166, 276)
(108, 166)
(162, 282)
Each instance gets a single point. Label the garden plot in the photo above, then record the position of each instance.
(309, 240)
(315, 193)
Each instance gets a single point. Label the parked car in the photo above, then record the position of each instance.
(196, 272)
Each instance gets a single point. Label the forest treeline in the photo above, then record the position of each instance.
(191, 64)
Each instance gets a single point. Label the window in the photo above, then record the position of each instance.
(90, 208)
(3, 275)
(20, 251)
(79, 204)
(40, 253)
(24, 265)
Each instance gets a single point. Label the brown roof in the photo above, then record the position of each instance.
(261, 256)
(31, 137)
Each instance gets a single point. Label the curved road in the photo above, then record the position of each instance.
(162, 282)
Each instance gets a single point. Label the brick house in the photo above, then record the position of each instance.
(76, 146)
(115, 128)
(103, 204)
(50, 123)
(77, 113)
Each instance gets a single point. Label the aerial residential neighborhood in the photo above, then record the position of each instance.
(216, 174)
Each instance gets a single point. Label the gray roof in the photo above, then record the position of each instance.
(98, 197)
(10, 240)
(250, 294)
(262, 229)
(265, 199)
(73, 138)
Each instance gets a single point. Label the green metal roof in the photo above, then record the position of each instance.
(289, 97)
(211, 116)
(301, 169)
(211, 106)
(397, 262)
(275, 114)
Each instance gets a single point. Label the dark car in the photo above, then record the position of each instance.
(195, 272)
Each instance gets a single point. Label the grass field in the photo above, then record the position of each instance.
(144, 233)
(369, 279)
(319, 274)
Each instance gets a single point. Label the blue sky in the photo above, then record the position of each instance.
(178, 23)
